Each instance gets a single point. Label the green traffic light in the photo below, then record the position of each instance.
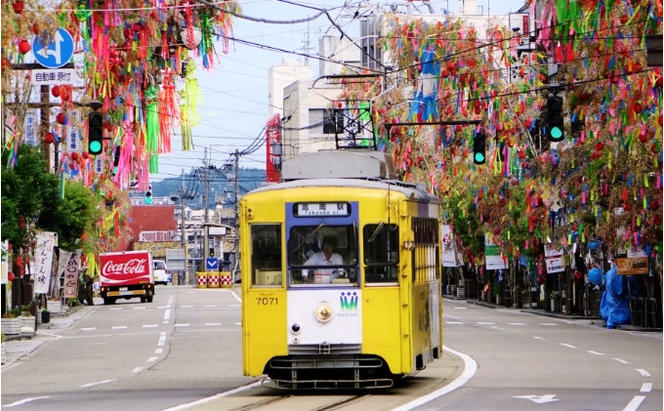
(556, 133)
(479, 158)
(95, 147)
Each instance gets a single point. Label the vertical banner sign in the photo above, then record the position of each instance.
(43, 261)
(451, 258)
(272, 149)
(73, 261)
(494, 258)
(74, 140)
(31, 124)
(4, 274)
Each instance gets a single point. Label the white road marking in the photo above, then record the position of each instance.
(212, 324)
(182, 325)
(643, 372)
(186, 306)
(162, 339)
(236, 296)
(161, 307)
(159, 351)
(167, 315)
(485, 323)
(139, 308)
(89, 329)
(469, 369)
(116, 309)
(188, 405)
(518, 324)
(595, 352)
(118, 327)
(620, 360)
(137, 369)
(234, 305)
(91, 384)
(460, 308)
(25, 401)
(634, 404)
(454, 322)
(548, 324)
(646, 387)
(238, 323)
(538, 338)
(568, 345)
(150, 325)
(538, 399)
(152, 359)
(210, 305)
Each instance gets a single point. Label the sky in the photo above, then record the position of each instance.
(234, 106)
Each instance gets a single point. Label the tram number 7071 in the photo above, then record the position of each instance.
(267, 300)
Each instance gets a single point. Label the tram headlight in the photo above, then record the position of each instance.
(295, 328)
(323, 312)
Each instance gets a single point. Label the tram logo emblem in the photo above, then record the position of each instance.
(348, 301)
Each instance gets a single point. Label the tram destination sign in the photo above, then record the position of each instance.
(341, 209)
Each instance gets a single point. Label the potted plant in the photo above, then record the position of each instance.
(11, 323)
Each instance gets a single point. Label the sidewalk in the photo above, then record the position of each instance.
(15, 348)
(595, 320)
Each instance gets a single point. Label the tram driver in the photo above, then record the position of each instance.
(322, 258)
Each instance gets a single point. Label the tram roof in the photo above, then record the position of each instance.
(409, 190)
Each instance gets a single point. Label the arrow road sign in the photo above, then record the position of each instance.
(212, 263)
(539, 399)
(55, 54)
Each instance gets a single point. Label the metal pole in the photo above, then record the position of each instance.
(236, 206)
(206, 175)
(184, 233)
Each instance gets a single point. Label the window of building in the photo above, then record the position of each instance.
(266, 254)
(326, 121)
(381, 253)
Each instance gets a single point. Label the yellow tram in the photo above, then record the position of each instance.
(340, 275)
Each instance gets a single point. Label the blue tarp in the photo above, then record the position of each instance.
(614, 307)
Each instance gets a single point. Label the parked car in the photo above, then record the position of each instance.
(161, 275)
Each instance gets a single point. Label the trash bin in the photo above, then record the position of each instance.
(45, 316)
(225, 279)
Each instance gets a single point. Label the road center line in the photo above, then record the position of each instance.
(118, 327)
(150, 325)
(485, 323)
(91, 384)
(182, 325)
(25, 401)
(139, 308)
(538, 338)
(646, 387)
(643, 372)
(634, 404)
(454, 322)
(518, 324)
(212, 324)
(620, 360)
(89, 329)
(568, 345)
(595, 352)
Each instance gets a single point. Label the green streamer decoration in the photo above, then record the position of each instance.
(153, 132)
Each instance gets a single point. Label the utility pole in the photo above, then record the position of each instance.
(236, 188)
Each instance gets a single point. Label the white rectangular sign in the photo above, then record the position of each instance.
(31, 126)
(451, 258)
(494, 258)
(53, 77)
(322, 209)
(555, 265)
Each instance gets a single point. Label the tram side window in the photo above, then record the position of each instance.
(266, 254)
(381, 253)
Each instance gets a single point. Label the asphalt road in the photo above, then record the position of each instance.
(185, 346)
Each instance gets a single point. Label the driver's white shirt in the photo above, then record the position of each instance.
(318, 259)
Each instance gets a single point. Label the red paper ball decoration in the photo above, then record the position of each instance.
(61, 118)
(55, 91)
(74, 156)
(85, 155)
(35, 28)
(24, 46)
(49, 138)
(18, 6)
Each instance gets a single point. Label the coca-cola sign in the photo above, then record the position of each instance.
(125, 268)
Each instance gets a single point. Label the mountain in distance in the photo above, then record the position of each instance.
(221, 186)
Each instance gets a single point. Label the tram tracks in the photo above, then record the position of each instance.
(291, 402)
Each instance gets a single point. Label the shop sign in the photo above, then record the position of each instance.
(630, 266)
(494, 257)
(555, 265)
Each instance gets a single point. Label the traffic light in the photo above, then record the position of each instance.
(555, 124)
(95, 133)
(148, 195)
(479, 147)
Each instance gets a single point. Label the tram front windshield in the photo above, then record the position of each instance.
(323, 254)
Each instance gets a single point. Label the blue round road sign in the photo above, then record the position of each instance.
(57, 52)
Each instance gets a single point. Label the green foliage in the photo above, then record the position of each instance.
(25, 189)
(467, 226)
(71, 216)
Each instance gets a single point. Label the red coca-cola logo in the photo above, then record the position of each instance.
(132, 266)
